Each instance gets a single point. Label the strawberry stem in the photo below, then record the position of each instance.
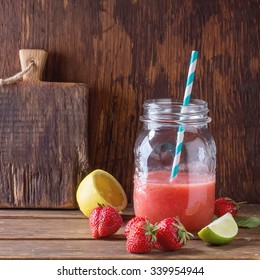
(101, 204)
(241, 202)
(150, 229)
(183, 234)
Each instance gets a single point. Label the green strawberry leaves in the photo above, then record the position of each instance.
(248, 222)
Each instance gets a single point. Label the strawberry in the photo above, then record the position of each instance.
(104, 221)
(171, 235)
(140, 238)
(136, 221)
(224, 205)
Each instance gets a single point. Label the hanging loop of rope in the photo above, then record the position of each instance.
(16, 77)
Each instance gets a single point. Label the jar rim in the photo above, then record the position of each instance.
(169, 110)
(173, 102)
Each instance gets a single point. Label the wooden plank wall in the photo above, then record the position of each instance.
(128, 51)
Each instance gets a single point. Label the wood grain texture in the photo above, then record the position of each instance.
(73, 228)
(110, 249)
(128, 51)
(43, 143)
(127, 214)
(65, 234)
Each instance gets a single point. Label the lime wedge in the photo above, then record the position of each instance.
(221, 231)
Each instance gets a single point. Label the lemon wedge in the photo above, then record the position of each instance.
(100, 187)
(221, 231)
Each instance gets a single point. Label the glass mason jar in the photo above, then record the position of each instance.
(190, 194)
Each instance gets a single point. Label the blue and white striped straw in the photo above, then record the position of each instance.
(186, 101)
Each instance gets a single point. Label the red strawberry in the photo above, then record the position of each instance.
(140, 238)
(104, 221)
(171, 235)
(136, 221)
(224, 205)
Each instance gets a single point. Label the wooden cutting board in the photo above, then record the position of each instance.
(43, 139)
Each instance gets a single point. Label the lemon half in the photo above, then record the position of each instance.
(100, 187)
(221, 231)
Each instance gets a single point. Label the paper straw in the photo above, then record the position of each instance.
(186, 101)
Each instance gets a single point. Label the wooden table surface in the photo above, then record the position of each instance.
(64, 234)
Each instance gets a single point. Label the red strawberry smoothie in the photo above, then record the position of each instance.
(190, 196)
